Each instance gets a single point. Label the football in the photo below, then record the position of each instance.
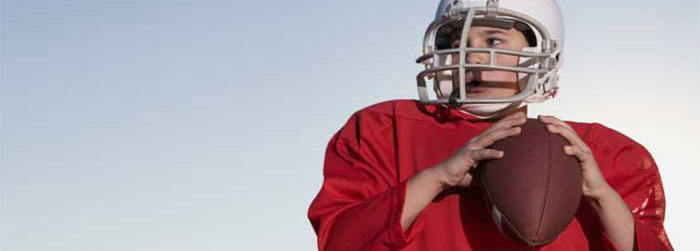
(534, 190)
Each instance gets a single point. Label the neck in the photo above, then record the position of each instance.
(521, 109)
(496, 119)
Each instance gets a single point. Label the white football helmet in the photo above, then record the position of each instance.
(540, 22)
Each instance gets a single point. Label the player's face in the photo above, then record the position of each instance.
(492, 84)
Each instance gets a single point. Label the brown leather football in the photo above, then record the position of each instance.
(534, 190)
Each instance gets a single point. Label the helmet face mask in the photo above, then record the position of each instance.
(446, 65)
(493, 83)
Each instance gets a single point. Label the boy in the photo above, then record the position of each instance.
(398, 174)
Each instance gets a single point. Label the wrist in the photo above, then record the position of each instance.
(604, 196)
(438, 177)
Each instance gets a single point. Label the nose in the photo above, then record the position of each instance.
(477, 58)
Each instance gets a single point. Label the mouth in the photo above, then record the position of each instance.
(474, 87)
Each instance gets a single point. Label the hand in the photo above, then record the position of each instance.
(455, 171)
(594, 185)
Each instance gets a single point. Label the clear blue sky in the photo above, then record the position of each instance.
(181, 125)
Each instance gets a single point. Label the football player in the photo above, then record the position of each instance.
(399, 174)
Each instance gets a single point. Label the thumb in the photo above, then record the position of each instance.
(466, 181)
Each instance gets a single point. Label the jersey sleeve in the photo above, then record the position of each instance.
(634, 175)
(360, 203)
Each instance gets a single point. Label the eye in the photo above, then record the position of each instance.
(494, 41)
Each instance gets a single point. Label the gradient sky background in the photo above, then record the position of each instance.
(181, 125)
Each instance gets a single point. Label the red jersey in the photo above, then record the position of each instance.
(369, 161)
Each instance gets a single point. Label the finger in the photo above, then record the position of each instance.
(483, 154)
(507, 122)
(491, 137)
(554, 120)
(504, 124)
(466, 181)
(569, 135)
(501, 125)
(580, 154)
(516, 116)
